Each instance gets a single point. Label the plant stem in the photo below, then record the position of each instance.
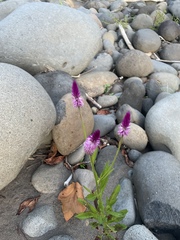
(83, 125)
(117, 151)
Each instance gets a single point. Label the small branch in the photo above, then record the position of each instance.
(93, 101)
(125, 37)
(166, 61)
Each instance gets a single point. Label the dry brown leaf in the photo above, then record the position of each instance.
(103, 112)
(28, 203)
(52, 158)
(69, 199)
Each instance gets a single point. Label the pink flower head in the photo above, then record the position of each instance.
(77, 99)
(124, 127)
(92, 142)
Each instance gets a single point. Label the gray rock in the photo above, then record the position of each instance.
(134, 63)
(162, 125)
(136, 139)
(134, 155)
(118, 4)
(174, 8)
(61, 237)
(58, 51)
(107, 100)
(108, 46)
(133, 94)
(153, 88)
(108, 17)
(139, 232)
(94, 82)
(169, 30)
(24, 122)
(163, 67)
(56, 84)
(161, 96)
(146, 40)
(148, 9)
(157, 180)
(46, 179)
(86, 178)
(97, 4)
(171, 52)
(103, 62)
(125, 200)
(165, 236)
(104, 123)
(136, 116)
(40, 221)
(142, 21)
(176, 66)
(9, 6)
(120, 167)
(167, 82)
(147, 103)
(76, 156)
(68, 133)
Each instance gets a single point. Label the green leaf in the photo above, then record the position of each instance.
(91, 197)
(95, 224)
(116, 216)
(93, 156)
(87, 189)
(104, 177)
(91, 208)
(119, 227)
(84, 215)
(113, 198)
(82, 201)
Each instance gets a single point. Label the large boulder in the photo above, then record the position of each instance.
(27, 117)
(157, 182)
(162, 125)
(57, 37)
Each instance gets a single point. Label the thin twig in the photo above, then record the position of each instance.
(163, 60)
(126, 39)
(93, 101)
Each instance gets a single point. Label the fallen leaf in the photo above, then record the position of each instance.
(28, 203)
(103, 112)
(53, 159)
(69, 199)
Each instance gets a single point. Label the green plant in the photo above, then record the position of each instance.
(176, 19)
(105, 220)
(159, 18)
(107, 88)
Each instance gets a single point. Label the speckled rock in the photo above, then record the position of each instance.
(167, 82)
(40, 221)
(94, 83)
(136, 139)
(68, 133)
(134, 63)
(46, 178)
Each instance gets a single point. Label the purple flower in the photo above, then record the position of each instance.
(76, 97)
(92, 142)
(124, 127)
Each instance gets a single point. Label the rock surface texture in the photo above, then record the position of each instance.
(24, 121)
(70, 51)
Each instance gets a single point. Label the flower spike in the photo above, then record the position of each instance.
(92, 142)
(76, 97)
(124, 127)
